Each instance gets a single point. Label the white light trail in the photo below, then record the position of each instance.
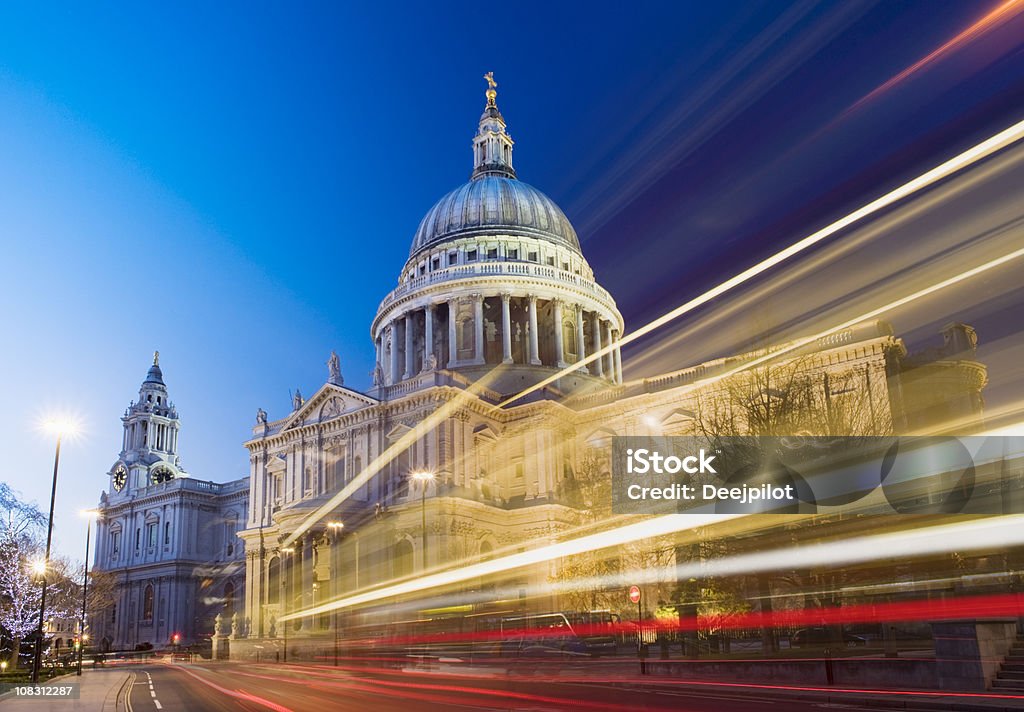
(972, 155)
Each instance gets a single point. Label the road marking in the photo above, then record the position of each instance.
(158, 705)
(128, 695)
(152, 693)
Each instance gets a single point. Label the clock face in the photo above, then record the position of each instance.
(120, 477)
(161, 475)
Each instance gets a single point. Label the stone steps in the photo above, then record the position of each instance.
(1010, 677)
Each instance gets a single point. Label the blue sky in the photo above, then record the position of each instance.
(237, 184)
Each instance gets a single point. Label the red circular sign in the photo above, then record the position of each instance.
(634, 594)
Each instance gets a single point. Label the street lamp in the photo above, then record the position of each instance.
(60, 428)
(335, 528)
(89, 515)
(423, 477)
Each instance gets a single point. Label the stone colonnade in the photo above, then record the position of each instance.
(478, 330)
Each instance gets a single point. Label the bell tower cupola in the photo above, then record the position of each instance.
(492, 146)
(151, 424)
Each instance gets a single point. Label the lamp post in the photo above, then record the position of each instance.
(89, 514)
(423, 477)
(60, 428)
(335, 528)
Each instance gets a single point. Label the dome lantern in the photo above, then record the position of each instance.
(492, 146)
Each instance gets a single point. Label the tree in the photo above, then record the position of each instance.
(20, 590)
(798, 396)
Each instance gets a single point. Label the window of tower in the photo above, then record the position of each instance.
(229, 598)
(551, 261)
(138, 539)
(403, 558)
(513, 254)
(471, 255)
(167, 533)
(151, 534)
(435, 263)
(147, 603)
(453, 258)
(492, 253)
(532, 256)
(274, 581)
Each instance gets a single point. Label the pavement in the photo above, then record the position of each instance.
(99, 691)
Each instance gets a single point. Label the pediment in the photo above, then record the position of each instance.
(398, 431)
(485, 432)
(602, 437)
(327, 403)
(678, 416)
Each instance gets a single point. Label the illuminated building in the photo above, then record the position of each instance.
(167, 540)
(495, 297)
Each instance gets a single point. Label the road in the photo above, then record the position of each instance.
(231, 687)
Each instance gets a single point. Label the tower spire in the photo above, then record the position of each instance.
(492, 146)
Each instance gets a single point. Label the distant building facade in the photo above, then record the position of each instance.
(169, 541)
(495, 297)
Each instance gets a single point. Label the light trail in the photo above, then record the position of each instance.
(972, 155)
(637, 531)
(659, 526)
(1001, 13)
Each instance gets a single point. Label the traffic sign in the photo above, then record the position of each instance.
(634, 594)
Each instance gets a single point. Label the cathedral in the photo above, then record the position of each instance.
(497, 389)
(166, 542)
(436, 466)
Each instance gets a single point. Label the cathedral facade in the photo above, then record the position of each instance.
(435, 466)
(166, 542)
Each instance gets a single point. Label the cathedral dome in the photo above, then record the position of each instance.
(494, 204)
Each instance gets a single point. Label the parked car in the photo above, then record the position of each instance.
(823, 636)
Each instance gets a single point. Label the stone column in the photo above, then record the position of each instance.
(595, 326)
(556, 316)
(478, 323)
(581, 349)
(380, 350)
(428, 336)
(393, 333)
(606, 329)
(617, 359)
(453, 348)
(534, 349)
(285, 562)
(410, 351)
(506, 329)
(307, 578)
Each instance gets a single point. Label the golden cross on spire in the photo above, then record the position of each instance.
(490, 80)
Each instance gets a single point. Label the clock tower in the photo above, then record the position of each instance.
(149, 448)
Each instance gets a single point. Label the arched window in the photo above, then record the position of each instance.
(147, 603)
(229, 598)
(274, 581)
(403, 558)
(167, 533)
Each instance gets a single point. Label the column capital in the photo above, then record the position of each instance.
(477, 297)
(506, 296)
